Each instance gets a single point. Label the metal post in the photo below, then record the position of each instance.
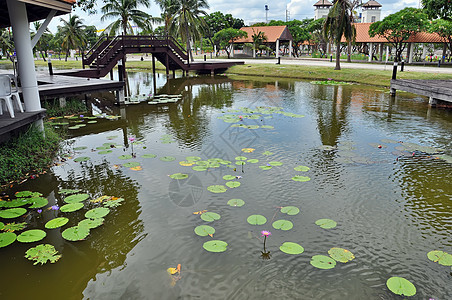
(205, 57)
(439, 63)
(394, 71)
(50, 64)
(402, 65)
(279, 61)
(331, 57)
(120, 71)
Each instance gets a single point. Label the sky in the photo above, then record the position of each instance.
(250, 11)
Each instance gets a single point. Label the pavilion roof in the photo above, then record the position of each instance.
(372, 3)
(272, 33)
(323, 3)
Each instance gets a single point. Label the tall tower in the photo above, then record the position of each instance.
(371, 12)
(322, 7)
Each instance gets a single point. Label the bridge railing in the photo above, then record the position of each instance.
(91, 54)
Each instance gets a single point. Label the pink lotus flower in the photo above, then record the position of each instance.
(266, 233)
(131, 139)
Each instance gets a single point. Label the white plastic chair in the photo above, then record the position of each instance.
(15, 92)
(5, 95)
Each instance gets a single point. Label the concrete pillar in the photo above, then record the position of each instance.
(290, 49)
(62, 101)
(215, 50)
(424, 51)
(19, 22)
(387, 54)
(371, 46)
(380, 53)
(232, 50)
(277, 48)
(410, 53)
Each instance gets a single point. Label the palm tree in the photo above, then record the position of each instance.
(43, 43)
(187, 22)
(73, 33)
(338, 23)
(6, 42)
(258, 39)
(168, 10)
(125, 13)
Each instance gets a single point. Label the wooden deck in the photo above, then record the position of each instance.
(9, 125)
(434, 89)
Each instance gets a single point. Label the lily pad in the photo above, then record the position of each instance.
(240, 158)
(401, 286)
(11, 227)
(193, 158)
(42, 254)
(199, 168)
(113, 203)
(32, 235)
(441, 257)
(326, 223)
(282, 224)
(38, 202)
(125, 156)
(91, 223)
(240, 163)
(105, 151)
(233, 184)
(291, 248)
(215, 246)
(12, 213)
(290, 210)
(179, 176)
(98, 212)
(148, 155)
(323, 262)
(68, 191)
(15, 203)
(103, 147)
(275, 163)
(228, 177)
(265, 167)
(301, 178)
(167, 158)
(301, 168)
(76, 198)
(217, 189)
(236, 202)
(256, 220)
(71, 207)
(341, 255)
(7, 238)
(2, 225)
(27, 194)
(76, 233)
(267, 153)
(253, 161)
(204, 230)
(248, 150)
(82, 158)
(56, 223)
(80, 148)
(267, 127)
(131, 164)
(210, 216)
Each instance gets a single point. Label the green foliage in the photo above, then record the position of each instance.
(218, 21)
(28, 153)
(226, 36)
(291, 248)
(444, 29)
(73, 106)
(256, 220)
(32, 235)
(72, 34)
(438, 9)
(56, 223)
(12, 213)
(210, 216)
(97, 212)
(401, 286)
(204, 230)
(215, 246)
(43, 253)
(323, 262)
(11, 227)
(7, 238)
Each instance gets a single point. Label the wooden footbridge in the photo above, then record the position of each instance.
(434, 89)
(106, 53)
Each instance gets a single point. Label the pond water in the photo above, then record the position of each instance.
(391, 201)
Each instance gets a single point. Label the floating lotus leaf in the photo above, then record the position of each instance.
(301, 168)
(290, 210)
(27, 194)
(148, 155)
(265, 167)
(401, 286)
(217, 189)
(32, 235)
(210, 216)
(15, 203)
(76, 198)
(323, 262)
(42, 254)
(248, 150)
(11, 227)
(113, 203)
(229, 177)
(105, 151)
(91, 223)
(56, 223)
(443, 258)
(202, 163)
(167, 158)
(199, 168)
(275, 163)
(73, 127)
(80, 148)
(12, 213)
(240, 158)
(215, 246)
(91, 122)
(233, 184)
(267, 127)
(68, 191)
(236, 202)
(7, 238)
(82, 158)
(267, 153)
(256, 220)
(252, 126)
(341, 255)
(253, 161)
(103, 147)
(179, 176)
(125, 156)
(301, 178)
(326, 223)
(38, 202)
(76, 233)
(193, 158)
(291, 248)
(131, 164)
(186, 163)
(204, 230)
(240, 163)
(71, 207)
(98, 212)
(282, 224)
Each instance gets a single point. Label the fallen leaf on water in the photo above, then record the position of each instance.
(172, 271)
(199, 212)
(116, 166)
(137, 168)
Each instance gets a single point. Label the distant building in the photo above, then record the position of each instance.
(322, 7)
(371, 12)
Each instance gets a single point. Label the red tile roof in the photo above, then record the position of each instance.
(272, 33)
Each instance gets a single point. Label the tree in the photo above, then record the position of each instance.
(316, 30)
(42, 45)
(125, 13)
(73, 33)
(91, 36)
(6, 42)
(259, 38)
(338, 24)
(217, 21)
(438, 9)
(168, 10)
(226, 37)
(398, 27)
(444, 29)
(187, 22)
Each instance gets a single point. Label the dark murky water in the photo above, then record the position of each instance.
(391, 207)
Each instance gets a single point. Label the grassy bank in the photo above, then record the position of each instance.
(362, 76)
